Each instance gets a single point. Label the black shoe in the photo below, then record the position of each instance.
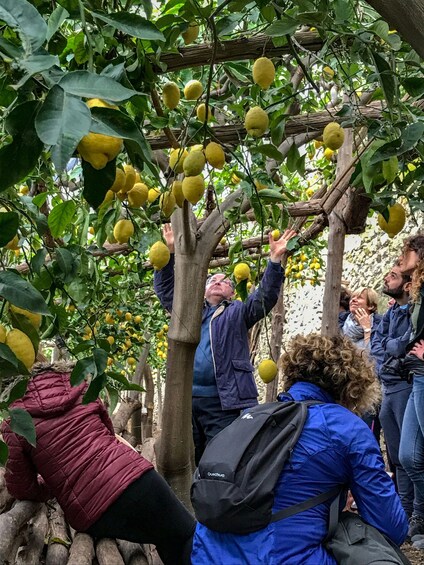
(416, 525)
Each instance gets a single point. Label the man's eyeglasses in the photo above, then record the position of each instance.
(211, 280)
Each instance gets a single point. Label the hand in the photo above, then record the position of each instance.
(363, 318)
(418, 349)
(279, 247)
(168, 235)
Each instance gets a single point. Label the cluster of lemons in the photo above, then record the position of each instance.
(162, 342)
(301, 266)
(17, 340)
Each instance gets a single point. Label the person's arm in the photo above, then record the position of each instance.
(22, 480)
(378, 340)
(261, 302)
(163, 280)
(373, 489)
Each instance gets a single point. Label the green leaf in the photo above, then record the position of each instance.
(285, 26)
(38, 260)
(56, 19)
(411, 135)
(4, 452)
(292, 158)
(293, 243)
(270, 195)
(22, 424)
(21, 322)
(235, 248)
(21, 293)
(25, 148)
(344, 11)
(66, 265)
(386, 77)
(42, 61)
(414, 86)
(9, 223)
(21, 15)
(40, 199)
(61, 122)
(100, 358)
(9, 363)
(94, 389)
(133, 25)
(227, 24)
(60, 217)
(90, 85)
(97, 182)
(241, 289)
(82, 370)
(17, 391)
(268, 150)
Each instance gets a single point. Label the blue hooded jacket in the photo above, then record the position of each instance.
(388, 346)
(335, 448)
(228, 336)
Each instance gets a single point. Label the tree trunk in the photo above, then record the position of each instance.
(149, 403)
(107, 552)
(136, 417)
(82, 550)
(160, 398)
(6, 500)
(277, 328)
(407, 17)
(58, 543)
(123, 414)
(12, 522)
(30, 554)
(336, 238)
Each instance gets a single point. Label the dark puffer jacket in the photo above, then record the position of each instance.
(77, 459)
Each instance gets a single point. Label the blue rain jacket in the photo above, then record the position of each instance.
(335, 448)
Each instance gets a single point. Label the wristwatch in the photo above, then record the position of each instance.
(367, 330)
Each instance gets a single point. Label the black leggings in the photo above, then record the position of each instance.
(149, 512)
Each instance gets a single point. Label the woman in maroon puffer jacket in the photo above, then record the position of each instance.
(104, 487)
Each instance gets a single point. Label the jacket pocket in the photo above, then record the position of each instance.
(243, 374)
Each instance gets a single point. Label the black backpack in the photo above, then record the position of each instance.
(233, 488)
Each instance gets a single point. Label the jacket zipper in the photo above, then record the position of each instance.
(215, 315)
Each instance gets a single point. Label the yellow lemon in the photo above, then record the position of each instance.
(2, 334)
(109, 361)
(267, 370)
(263, 72)
(193, 90)
(193, 188)
(93, 102)
(109, 319)
(137, 319)
(275, 234)
(109, 196)
(159, 255)
(33, 317)
(328, 73)
(98, 149)
(191, 34)
(171, 95)
(167, 203)
(138, 195)
(13, 243)
(397, 218)
(153, 194)
(201, 113)
(260, 185)
(197, 147)
(130, 174)
(318, 143)
(177, 191)
(176, 159)
(91, 230)
(333, 136)
(215, 155)
(256, 122)
(223, 241)
(131, 361)
(110, 339)
(235, 179)
(128, 316)
(328, 153)
(119, 182)
(24, 190)
(241, 271)
(21, 346)
(194, 163)
(123, 230)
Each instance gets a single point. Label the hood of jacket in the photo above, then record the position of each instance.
(49, 392)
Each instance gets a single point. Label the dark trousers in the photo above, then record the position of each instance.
(392, 411)
(208, 419)
(374, 424)
(149, 512)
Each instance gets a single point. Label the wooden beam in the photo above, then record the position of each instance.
(233, 50)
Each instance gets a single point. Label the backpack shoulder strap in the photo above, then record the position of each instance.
(306, 504)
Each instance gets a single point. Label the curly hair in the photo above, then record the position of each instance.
(416, 243)
(335, 365)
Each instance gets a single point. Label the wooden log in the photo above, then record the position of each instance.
(107, 552)
(58, 540)
(6, 500)
(133, 553)
(148, 450)
(31, 553)
(233, 50)
(82, 550)
(152, 555)
(11, 523)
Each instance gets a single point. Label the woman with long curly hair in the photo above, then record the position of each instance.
(335, 448)
(411, 451)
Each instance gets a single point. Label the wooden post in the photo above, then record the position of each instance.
(336, 238)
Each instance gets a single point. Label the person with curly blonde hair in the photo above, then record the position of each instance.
(411, 451)
(335, 449)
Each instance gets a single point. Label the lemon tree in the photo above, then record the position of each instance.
(99, 116)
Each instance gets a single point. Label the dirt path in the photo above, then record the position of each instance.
(416, 556)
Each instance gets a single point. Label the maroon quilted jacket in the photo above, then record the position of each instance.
(77, 459)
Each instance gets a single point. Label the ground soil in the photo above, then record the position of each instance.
(416, 556)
